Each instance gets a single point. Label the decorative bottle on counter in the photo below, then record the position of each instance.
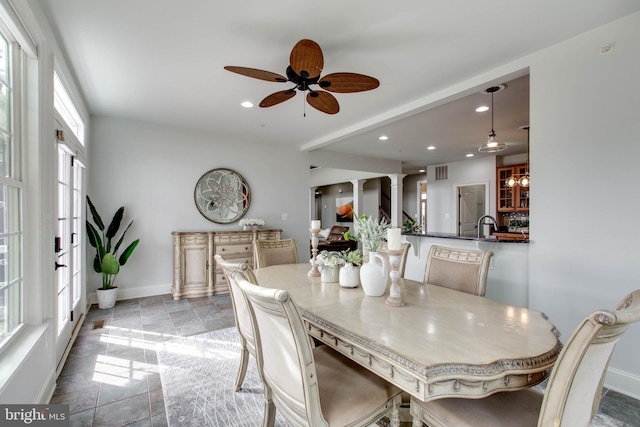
(349, 276)
(374, 275)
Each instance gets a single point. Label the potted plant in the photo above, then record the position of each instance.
(329, 263)
(106, 261)
(375, 272)
(349, 276)
(368, 231)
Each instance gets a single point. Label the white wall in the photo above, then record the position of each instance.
(585, 149)
(152, 170)
(441, 203)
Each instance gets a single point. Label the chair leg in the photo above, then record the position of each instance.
(242, 369)
(269, 419)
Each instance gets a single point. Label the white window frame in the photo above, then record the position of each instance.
(67, 111)
(15, 180)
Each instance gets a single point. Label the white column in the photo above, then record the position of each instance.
(312, 204)
(358, 190)
(396, 199)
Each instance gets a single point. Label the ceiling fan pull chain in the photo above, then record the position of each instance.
(304, 106)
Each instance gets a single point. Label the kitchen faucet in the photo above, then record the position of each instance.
(481, 223)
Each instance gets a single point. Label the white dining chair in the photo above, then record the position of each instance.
(573, 392)
(240, 312)
(311, 386)
(275, 252)
(460, 269)
(404, 247)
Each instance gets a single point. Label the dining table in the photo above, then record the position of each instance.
(442, 343)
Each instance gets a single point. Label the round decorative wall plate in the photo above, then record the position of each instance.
(222, 196)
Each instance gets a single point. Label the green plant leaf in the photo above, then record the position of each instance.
(117, 246)
(115, 223)
(110, 264)
(96, 216)
(127, 252)
(94, 236)
(97, 267)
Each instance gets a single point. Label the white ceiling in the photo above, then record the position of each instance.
(162, 61)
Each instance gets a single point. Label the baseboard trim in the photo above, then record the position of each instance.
(125, 293)
(623, 382)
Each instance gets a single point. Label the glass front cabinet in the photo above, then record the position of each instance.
(512, 199)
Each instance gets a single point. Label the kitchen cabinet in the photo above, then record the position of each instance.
(511, 199)
(195, 272)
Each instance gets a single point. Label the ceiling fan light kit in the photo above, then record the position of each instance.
(492, 145)
(306, 64)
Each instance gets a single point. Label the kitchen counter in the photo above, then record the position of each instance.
(505, 237)
(508, 278)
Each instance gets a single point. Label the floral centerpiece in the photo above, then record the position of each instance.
(349, 276)
(247, 223)
(410, 226)
(352, 257)
(329, 263)
(327, 259)
(369, 231)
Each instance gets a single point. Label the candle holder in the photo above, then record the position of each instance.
(314, 251)
(395, 298)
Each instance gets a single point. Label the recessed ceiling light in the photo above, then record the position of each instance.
(383, 138)
(470, 155)
(431, 147)
(247, 104)
(422, 171)
(482, 109)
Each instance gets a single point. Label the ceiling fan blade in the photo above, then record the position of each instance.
(256, 74)
(306, 57)
(323, 101)
(277, 98)
(348, 82)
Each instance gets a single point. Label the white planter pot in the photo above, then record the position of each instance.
(349, 276)
(107, 297)
(330, 274)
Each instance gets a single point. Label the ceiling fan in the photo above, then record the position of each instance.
(306, 63)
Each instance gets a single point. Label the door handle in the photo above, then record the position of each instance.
(59, 265)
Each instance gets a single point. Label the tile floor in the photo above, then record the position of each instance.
(111, 376)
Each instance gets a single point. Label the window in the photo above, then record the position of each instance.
(11, 194)
(64, 106)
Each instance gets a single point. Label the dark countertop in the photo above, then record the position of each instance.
(456, 237)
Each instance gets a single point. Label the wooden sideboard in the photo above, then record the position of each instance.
(195, 273)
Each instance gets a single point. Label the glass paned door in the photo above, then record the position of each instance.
(68, 250)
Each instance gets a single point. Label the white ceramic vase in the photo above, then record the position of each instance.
(374, 275)
(349, 276)
(330, 274)
(107, 297)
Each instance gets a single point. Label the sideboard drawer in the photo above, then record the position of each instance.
(234, 250)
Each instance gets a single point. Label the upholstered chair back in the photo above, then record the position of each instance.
(233, 272)
(286, 356)
(460, 269)
(575, 386)
(275, 252)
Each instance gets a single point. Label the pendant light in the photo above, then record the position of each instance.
(492, 145)
(522, 180)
